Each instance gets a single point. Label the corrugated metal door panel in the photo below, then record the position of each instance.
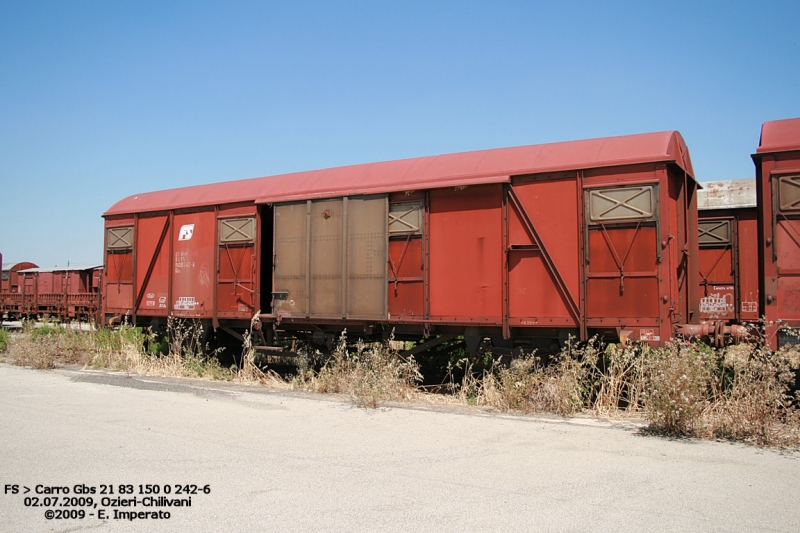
(552, 207)
(194, 250)
(326, 258)
(154, 296)
(367, 243)
(466, 251)
(747, 240)
(291, 261)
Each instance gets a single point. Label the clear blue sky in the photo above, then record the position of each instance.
(103, 99)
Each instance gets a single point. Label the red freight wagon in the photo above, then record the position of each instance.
(13, 301)
(69, 293)
(728, 239)
(777, 162)
(522, 246)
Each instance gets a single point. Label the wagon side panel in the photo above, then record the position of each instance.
(152, 266)
(543, 248)
(193, 268)
(466, 254)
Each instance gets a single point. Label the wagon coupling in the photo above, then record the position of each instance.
(715, 331)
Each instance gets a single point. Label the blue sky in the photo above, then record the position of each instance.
(100, 100)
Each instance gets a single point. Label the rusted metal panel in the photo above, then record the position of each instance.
(236, 280)
(544, 276)
(291, 259)
(622, 277)
(366, 249)
(10, 277)
(747, 251)
(450, 170)
(152, 266)
(193, 264)
(622, 203)
(717, 269)
(405, 218)
(788, 193)
(119, 238)
(325, 266)
(729, 194)
(118, 271)
(406, 276)
(729, 264)
(715, 232)
(777, 162)
(466, 253)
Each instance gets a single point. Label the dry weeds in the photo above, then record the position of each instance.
(742, 392)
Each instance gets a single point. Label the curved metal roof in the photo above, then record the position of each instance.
(780, 136)
(449, 170)
(19, 266)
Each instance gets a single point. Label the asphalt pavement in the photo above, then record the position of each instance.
(255, 459)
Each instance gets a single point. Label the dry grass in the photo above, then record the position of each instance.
(369, 373)
(742, 393)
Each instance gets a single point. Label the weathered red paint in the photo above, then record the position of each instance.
(729, 271)
(69, 293)
(506, 248)
(466, 254)
(778, 156)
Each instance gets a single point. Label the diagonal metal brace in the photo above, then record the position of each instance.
(548, 261)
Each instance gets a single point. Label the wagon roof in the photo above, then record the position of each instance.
(780, 136)
(18, 266)
(465, 168)
(60, 269)
(728, 194)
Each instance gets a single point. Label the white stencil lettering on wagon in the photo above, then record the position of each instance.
(186, 232)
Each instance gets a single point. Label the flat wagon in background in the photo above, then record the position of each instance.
(728, 239)
(777, 162)
(513, 247)
(67, 293)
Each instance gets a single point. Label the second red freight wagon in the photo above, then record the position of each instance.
(777, 162)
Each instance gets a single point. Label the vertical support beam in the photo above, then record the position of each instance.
(345, 201)
(134, 254)
(308, 258)
(256, 275)
(214, 319)
(504, 256)
(583, 239)
(737, 296)
(170, 262)
(693, 274)
(426, 254)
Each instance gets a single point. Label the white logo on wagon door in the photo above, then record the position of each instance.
(187, 230)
